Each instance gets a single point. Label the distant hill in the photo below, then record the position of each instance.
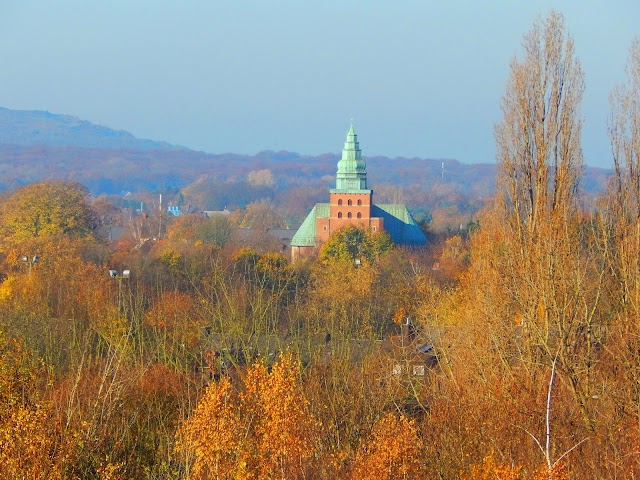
(34, 127)
(36, 146)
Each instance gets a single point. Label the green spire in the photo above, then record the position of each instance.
(352, 173)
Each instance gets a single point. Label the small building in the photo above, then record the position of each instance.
(351, 203)
(216, 213)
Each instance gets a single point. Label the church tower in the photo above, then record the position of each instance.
(350, 203)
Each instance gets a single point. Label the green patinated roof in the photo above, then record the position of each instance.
(398, 223)
(306, 234)
(352, 171)
(363, 192)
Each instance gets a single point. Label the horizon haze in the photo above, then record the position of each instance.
(420, 79)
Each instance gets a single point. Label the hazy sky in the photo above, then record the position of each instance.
(421, 78)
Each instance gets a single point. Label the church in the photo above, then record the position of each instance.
(351, 203)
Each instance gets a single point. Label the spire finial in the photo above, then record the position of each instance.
(351, 174)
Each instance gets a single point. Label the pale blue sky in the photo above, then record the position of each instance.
(421, 78)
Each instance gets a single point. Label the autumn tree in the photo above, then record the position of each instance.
(258, 216)
(352, 243)
(31, 444)
(490, 469)
(624, 191)
(622, 215)
(544, 252)
(212, 433)
(263, 177)
(391, 452)
(105, 213)
(538, 140)
(45, 209)
(268, 433)
(286, 429)
(214, 231)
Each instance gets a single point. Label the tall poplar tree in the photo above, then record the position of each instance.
(624, 190)
(622, 213)
(538, 141)
(537, 275)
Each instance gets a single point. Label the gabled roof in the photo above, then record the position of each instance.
(306, 234)
(398, 223)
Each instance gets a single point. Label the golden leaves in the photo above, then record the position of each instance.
(264, 432)
(489, 469)
(285, 428)
(210, 434)
(44, 209)
(392, 451)
(25, 444)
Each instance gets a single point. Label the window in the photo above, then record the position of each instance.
(359, 202)
(418, 370)
(340, 202)
(359, 215)
(349, 215)
(339, 214)
(325, 228)
(397, 369)
(374, 229)
(349, 202)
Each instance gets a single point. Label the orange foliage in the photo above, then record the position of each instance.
(489, 469)
(170, 310)
(392, 451)
(212, 433)
(26, 443)
(30, 444)
(268, 434)
(286, 429)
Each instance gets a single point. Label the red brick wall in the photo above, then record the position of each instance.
(323, 229)
(364, 209)
(339, 210)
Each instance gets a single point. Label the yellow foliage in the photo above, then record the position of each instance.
(44, 209)
(6, 289)
(25, 445)
(267, 434)
(286, 428)
(212, 434)
(400, 315)
(392, 451)
(490, 470)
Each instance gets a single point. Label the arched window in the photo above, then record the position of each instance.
(339, 214)
(349, 215)
(359, 215)
(349, 202)
(359, 202)
(340, 202)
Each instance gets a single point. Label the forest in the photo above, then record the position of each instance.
(509, 349)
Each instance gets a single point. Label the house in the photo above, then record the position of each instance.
(351, 203)
(410, 355)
